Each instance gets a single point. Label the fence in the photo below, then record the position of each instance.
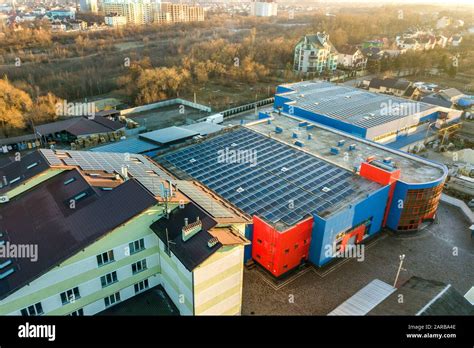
(168, 102)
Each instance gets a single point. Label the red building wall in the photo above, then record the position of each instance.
(277, 251)
(382, 177)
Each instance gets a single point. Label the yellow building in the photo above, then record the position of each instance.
(178, 13)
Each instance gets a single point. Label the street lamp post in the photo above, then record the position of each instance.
(402, 257)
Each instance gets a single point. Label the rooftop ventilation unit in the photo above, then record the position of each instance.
(233, 144)
(240, 190)
(284, 169)
(4, 199)
(211, 242)
(192, 160)
(125, 172)
(326, 189)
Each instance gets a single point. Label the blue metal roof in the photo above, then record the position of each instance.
(134, 145)
(168, 135)
(350, 105)
(283, 185)
(203, 128)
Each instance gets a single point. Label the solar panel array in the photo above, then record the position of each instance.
(138, 167)
(203, 200)
(352, 105)
(133, 145)
(283, 185)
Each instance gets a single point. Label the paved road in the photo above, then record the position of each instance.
(443, 252)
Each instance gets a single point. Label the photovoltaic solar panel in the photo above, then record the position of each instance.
(138, 167)
(358, 107)
(260, 187)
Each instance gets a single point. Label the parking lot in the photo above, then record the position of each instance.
(443, 251)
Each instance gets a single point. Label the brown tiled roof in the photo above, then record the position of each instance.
(80, 126)
(347, 49)
(23, 169)
(43, 217)
(195, 250)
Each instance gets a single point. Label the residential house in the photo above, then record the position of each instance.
(427, 42)
(451, 94)
(351, 57)
(114, 20)
(392, 86)
(443, 22)
(441, 41)
(315, 54)
(58, 25)
(455, 40)
(409, 44)
(77, 24)
(436, 99)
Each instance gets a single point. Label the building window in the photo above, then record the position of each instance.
(140, 286)
(108, 279)
(70, 296)
(136, 246)
(105, 258)
(78, 313)
(33, 310)
(68, 181)
(112, 299)
(139, 266)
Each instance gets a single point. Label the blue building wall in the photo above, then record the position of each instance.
(431, 117)
(325, 230)
(248, 248)
(325, 120)
(283, 89)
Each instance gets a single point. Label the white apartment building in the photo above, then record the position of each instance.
(137, 12)
(264, 8)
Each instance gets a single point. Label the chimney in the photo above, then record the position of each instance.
(189, 230)
(125, 172)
